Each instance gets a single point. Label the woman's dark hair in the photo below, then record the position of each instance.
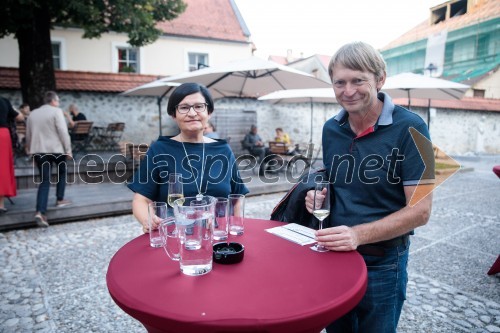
(187, 89)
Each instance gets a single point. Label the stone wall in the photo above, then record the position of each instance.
(457, 132)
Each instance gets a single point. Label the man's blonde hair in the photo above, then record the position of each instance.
(359, 56)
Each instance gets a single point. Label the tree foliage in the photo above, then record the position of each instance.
(30, 21)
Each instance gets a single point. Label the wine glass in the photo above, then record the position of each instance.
(321, 208)
(175, 190)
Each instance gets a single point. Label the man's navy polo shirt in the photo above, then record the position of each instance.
(369, 172)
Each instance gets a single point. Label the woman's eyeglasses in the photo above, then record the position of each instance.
(198, 108)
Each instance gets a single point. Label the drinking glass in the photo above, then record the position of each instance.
(221, 226)
(157, 213)
(175, 190)
(321, 208)
(236, 214)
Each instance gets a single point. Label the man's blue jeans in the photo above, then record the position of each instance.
(380, 308)
(44, 163)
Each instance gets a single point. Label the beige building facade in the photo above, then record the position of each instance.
(168, 55)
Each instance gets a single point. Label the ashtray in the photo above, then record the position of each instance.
(228, 253)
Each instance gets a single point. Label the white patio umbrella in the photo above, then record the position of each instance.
(156, 88)
(318, 95)
(252, 77)
(410, 85)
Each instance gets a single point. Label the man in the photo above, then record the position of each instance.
(375, 168)
(47, 139)
(253, 142)
(74, 115)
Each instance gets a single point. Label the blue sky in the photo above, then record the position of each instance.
(322, 26)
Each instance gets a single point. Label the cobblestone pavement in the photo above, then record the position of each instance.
(53, 280)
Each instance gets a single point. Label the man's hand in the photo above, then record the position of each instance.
(340, 238)
(310, 199)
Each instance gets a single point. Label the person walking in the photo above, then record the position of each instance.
(47, 139)
(7, 178)
(374, 167)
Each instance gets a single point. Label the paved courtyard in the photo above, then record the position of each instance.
(53, 280)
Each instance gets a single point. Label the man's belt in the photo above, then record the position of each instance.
(378, 249)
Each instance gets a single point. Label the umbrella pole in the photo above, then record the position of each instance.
(311, 135)
(408, 99)
(429, 115)
(160, 98)
(159, 112)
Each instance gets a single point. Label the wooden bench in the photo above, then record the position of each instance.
(282, 158)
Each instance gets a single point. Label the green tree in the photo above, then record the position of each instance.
(31, 21)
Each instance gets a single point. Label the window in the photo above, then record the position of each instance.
(128, 60)
(56, 55)
(458, 8)
(478, 92)
(58, 46)
(438, 15)
(482, 46)
(448, 53)
(197, 61)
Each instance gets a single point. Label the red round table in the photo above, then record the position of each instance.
(279, 286)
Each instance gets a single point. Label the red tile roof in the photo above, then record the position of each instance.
(119, 82)
(279, 59)
(81, 81)
(485, 10)
(324, 59)
(207, 19)
(466, 103)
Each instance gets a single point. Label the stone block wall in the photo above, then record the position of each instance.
(456, 132)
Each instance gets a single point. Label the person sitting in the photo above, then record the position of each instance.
(253, 142)
(211, 131)
(207, 166)
(72, 116)
(283, 137)
(25, 110)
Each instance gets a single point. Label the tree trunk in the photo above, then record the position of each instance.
(36, 70)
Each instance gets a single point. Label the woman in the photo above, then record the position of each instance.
(7, 179)
(281, 136)
(207, 166)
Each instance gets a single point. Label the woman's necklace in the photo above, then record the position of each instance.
(199, 196)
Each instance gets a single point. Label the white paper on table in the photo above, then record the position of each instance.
(295, 233)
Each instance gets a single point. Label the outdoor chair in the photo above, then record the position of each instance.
(111, 137)
(80, 136)
(137, 151)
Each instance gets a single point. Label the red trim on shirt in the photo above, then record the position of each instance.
(369, 130)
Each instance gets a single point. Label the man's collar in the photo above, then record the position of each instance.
(385, 117)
